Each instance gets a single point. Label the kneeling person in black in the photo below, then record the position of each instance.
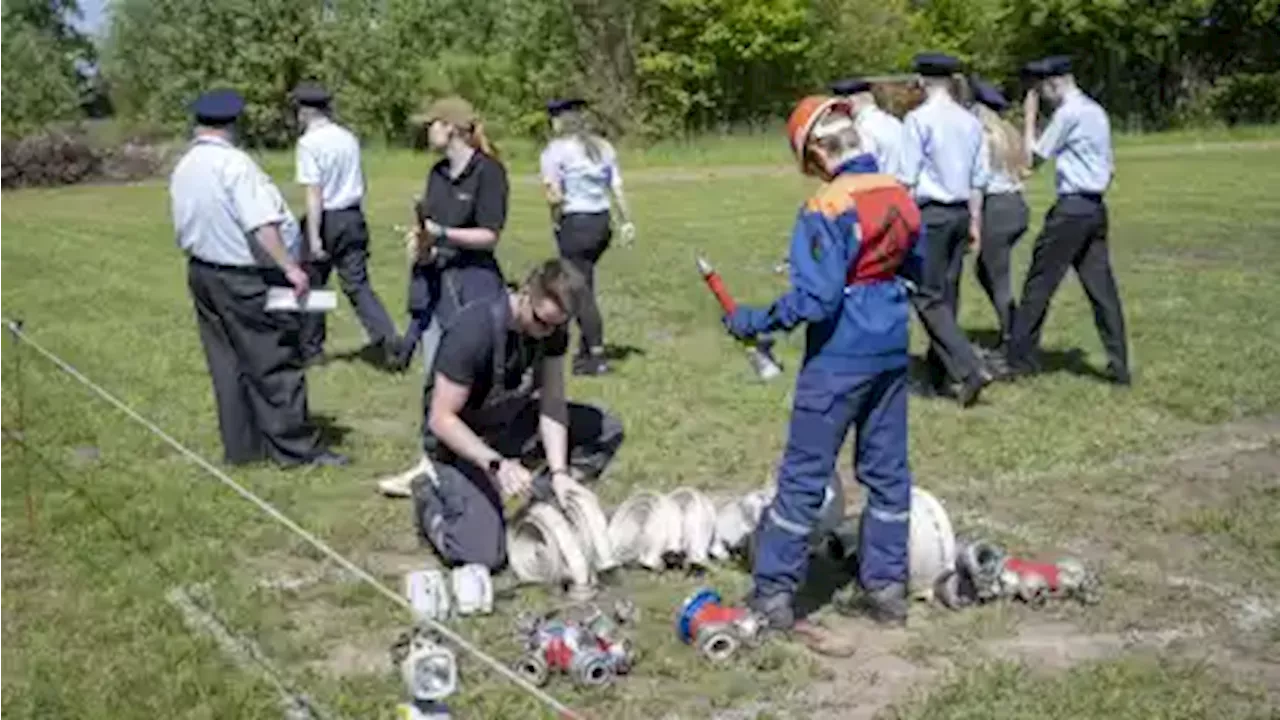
(498, 402)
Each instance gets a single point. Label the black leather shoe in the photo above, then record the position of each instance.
(972, 387)
(328, 458)
(590, 365)
(887, 605)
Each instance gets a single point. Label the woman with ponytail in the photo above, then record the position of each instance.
(1004, 210)
(580, 174)
(460, 218)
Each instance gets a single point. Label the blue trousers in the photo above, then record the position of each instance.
(826, 404)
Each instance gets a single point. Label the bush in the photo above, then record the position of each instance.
(1248, 98)
(61, 156)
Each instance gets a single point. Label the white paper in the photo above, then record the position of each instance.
(282, 299)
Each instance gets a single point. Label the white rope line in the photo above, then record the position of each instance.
(283, 519)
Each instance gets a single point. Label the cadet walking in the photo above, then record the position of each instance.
(1004, 210)
(881, 133)
(1078, 138)
(240, 239)
(580, 173)
(945, 166)
(328, 166)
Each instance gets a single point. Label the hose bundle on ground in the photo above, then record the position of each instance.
(735, 521)
(932, 550)
(582, 509)
(542, 547)
(645, 528)
(697, 525)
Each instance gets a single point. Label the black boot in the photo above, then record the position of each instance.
(887, 605)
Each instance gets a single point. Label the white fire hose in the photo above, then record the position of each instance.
(542, 547)
(645, 528)
(697, 525)
(582, 509)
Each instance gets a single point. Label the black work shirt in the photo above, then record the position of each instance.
(466, 356)
(476, 198)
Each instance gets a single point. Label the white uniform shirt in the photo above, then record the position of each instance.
(946, 152)
(328, 155)
(219, 196)
(1079, 139)
(883, 133)
(584, 183)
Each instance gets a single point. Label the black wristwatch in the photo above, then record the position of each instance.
(494, 464)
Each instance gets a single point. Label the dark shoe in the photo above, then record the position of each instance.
(590, 365)
(1119, 376)
(972, 388)
(887, 605)
(924, 389)
(328, 458)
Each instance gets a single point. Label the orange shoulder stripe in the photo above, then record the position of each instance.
(836, 197)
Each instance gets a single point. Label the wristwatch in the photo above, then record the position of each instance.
(494, 464)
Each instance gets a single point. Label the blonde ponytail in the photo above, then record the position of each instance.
(481, 142)
(1007, 153)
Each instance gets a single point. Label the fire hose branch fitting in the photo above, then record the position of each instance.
(572, 648)
(717, 631)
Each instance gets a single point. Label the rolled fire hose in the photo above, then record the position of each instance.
(582, 509)
(932, 549)
(735, 522)
(697, 526)
(543, 548)
(645, 528)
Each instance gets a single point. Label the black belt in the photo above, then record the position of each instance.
(348, 208)
(1094, 197)
(939, 203)
(241, 269)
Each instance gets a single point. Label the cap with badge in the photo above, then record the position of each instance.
(1051, 66)
(563, 105)
(936, 64)
(850, 86)
(987, 94)
(218, 107)
(311, 94)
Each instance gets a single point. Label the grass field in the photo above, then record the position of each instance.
(1171, 486)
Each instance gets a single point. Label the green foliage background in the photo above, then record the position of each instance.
(652, 68)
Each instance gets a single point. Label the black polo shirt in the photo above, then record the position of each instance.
(466, 356)
(476, 198)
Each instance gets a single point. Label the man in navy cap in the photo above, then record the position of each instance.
(328, 166)
(883, 130)
(241, 239)
(1078, 138)
(945, 165)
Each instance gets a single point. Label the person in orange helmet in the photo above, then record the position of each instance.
(853, 243)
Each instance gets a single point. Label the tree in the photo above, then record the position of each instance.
(44, 59)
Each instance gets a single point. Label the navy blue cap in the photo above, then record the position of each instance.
(559, 105)
(218, 107)
(311, 94)
(1048, 67)
(850, 86)
(987, 94)
(936, 64)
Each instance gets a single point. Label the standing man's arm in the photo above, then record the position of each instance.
(256, 208)
(308, 175)
(978, 183)
(549, 166)
(912, 152)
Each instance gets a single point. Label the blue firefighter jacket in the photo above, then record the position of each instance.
(854, 242)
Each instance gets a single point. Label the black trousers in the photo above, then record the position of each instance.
(253, 358)
(345, 238)
(460, 514)
(1074, 235)
(1004, 220)
(582, 239)
(937, 297)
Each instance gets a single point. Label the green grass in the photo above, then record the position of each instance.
(92, 544)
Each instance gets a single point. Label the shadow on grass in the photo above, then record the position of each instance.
(371, 355)
(622, 352)
(332, 434)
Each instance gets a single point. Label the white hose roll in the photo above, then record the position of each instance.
(644, 528)
(737, 519)
(697, 524)
(543, 548)
(932, 551)
(472, 589)
(582, 508)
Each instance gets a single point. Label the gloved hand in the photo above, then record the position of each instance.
(745, 322)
